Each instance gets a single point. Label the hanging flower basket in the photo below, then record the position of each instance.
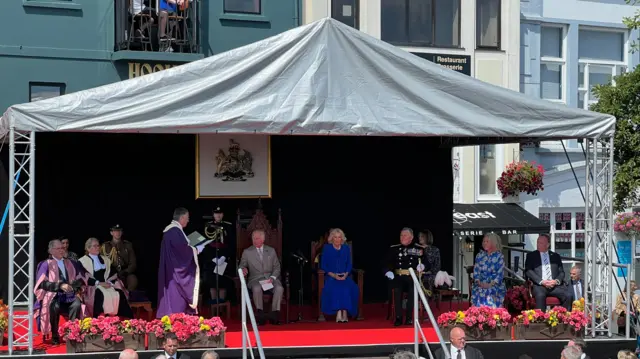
(628, 223)
(521, 177)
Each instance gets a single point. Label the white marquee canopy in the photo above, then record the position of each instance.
(322, 78)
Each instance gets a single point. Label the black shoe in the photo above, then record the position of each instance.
(274, 317)
(398, 322)
(260, 319)
(408, 321)
(55, 340)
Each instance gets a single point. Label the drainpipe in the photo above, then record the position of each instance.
(296, 13)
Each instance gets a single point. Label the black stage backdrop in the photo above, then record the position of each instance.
(371, 187)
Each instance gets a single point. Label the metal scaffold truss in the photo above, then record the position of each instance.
(599, 235)
(21, 239)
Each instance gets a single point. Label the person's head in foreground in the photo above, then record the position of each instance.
(128, 354)
(458, 338)
(170, 344)
(403, 355)
(572, 352)
(578, 342)
(210, 354)
(626, 354)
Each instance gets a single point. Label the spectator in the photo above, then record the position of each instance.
(128, 354)
(210, 354)
(626, 354)
(571, 352)
(403, 355)
(171, 347)
(458, 348)
(578, 342)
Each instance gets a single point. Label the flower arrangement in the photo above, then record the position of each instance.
(628, 223)
(576, 319)
(4, 317)
(518, 300)
(110, 329)
(480, 317)
(520, 177)
(185, 326)
(578, 305)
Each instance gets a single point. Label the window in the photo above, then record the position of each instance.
(433, 23)
(489, 167)
(567, 232)
(42, 90)
(552, 63)
(346, 11)
(488, 23)
(242, 6)
(601, 58)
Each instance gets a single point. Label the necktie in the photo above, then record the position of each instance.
(260, 254)
(546, 266)
(578, 287)
(459, 356)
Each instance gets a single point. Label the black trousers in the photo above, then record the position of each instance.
(402, 284)
(540, 293)
(74, 309)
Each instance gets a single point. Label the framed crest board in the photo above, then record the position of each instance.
(233, 166)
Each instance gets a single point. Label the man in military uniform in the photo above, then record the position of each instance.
(221, 250)
(402, 257)
(122, 256)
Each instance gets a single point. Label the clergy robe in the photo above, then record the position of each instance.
(178, 273)
(101, 300)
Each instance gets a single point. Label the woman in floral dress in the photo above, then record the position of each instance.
(488, 273)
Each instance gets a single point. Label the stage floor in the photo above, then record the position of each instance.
(371, 337)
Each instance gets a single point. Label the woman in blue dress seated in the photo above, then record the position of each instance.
(340, 292)
(488, 274)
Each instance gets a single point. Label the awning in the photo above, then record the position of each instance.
(502, 218)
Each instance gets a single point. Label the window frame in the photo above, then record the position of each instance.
(553, 231)
(260, 9)
(500, 165)
(59, 85)
(489, 47)
(562, 61)
(433, 28)
(583, 91)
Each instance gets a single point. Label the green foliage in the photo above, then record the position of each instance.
(633, 23)
(623, 102)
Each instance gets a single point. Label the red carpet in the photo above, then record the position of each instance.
(374, 329)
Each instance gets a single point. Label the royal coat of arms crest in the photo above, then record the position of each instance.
(235, 166)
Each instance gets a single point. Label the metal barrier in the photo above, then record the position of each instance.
(417, 328)
(246, 306)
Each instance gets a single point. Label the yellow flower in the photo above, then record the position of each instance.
(205, 328)
(165, 320)
(201, 319)
(460, 314)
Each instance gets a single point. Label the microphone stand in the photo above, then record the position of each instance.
(301, 262)
(221, 239)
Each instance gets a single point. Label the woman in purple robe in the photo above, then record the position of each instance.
(179, 272)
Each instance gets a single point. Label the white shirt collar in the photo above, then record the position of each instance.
(170, 356)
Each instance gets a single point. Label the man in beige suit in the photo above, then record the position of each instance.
(260, 263)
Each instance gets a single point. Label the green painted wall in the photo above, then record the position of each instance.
(72, 42)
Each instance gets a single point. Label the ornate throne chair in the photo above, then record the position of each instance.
(273, 238)
(316, 252)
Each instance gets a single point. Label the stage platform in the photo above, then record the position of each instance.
(373, 337)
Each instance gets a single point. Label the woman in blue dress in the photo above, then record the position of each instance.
(488, 274)
(340, 292)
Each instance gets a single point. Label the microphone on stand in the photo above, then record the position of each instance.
(299, 257)
(302, 260)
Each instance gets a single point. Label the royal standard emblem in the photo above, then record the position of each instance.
(236, 166)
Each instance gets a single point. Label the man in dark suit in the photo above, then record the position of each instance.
(544, 269)
(458, 348)
(171, 347)
(576, 285)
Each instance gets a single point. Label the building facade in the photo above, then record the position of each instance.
(567, 48)
(479, 38)
(63, 46)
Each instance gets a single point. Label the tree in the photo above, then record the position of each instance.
(622, 100)
(633, 23)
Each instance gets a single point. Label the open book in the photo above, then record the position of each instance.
(196, 239)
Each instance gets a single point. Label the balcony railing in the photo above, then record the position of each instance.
(142, 25)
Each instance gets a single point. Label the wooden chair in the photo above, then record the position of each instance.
(316, 251)
(138, 307)
(391, 313)
(273, 238)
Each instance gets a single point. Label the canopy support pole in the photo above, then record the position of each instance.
(22, 148)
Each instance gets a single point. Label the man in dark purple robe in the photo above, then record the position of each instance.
(179, 272)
